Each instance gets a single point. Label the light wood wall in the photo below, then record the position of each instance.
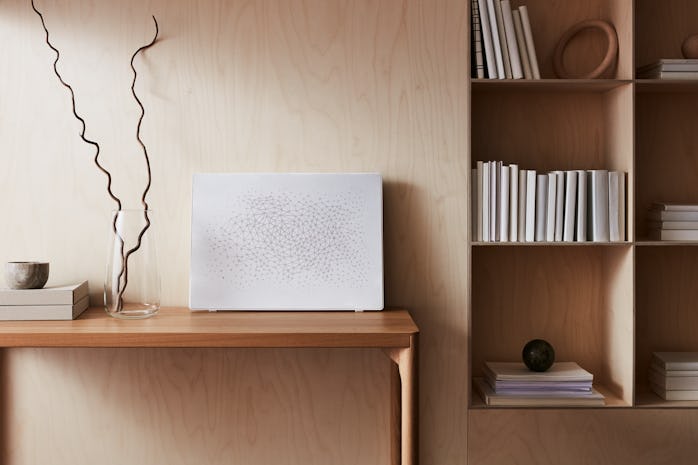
(234, 85)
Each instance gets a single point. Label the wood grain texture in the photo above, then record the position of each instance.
(573, 297)
(661, 28)
(250, 85)
(582, 437)
(184, 406)
(665, 151)
(179, 327)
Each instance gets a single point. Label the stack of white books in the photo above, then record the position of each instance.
(519, 205)
(670, 69)
(565, 384)
(673, 222)
(502, 41)
(49, 303)
(674, 375)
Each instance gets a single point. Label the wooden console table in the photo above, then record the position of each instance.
(392, 331)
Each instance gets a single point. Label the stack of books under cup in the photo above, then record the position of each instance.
(674, 375)
(48, 303)
(512, 384)
(669, 68)
(673, 222)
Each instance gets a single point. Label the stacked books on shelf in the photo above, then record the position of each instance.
(518, 205)
(49, 303)
(502, 41)
(670, 69)
(512, 384)
(674, 375)
(673, 222)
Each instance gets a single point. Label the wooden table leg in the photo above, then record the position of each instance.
(404, 381)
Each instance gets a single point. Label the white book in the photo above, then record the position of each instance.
(487, 39)
(479, 212)
(672, 224)
(521, 45)
(667, 394)
(502, 38)
(485, 194)
(673, 234)
(541, 206)
(530, 47)
(672, 383)
(504, 204)
(676, 360)
(559, 205)
(496, 45)
(531, 193)
(659, 215)
(616, 206)
(517, 371)
(495, 172)
(551, 208)
(473, 203)
(514, 203)
(44, 312)
(507, 16)
(570, 206)
(581, 235)
(673, 373)
(523, 175)
(675, 207)
(52, 295)
(597, 206)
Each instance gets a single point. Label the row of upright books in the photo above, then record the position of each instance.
(511, 384)
(674, 375)
(502, 41)
(670, 69)
(518, 205)
(673, 222)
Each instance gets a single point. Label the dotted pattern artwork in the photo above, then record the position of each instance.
(294, 241)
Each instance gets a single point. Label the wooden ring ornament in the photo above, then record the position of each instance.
(608, 60)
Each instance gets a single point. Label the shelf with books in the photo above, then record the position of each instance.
(550, 244)
(574, 297)
(611, 400)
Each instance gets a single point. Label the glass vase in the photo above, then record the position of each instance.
(132, 281)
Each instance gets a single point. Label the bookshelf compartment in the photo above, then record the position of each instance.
(661, 27)
(666, 320)
(577, 298)
(666, 148)
(554, 130)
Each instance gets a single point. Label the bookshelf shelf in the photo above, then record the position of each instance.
(547, 85)
(649, 86)
(550, 244)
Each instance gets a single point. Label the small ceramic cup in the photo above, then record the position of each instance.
(26, 275)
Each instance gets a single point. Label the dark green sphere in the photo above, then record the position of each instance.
(538, 355)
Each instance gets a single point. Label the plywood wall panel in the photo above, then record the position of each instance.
(260, 85)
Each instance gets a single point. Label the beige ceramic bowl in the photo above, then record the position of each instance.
(26, 275)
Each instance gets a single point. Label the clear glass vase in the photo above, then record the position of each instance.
(132, 281)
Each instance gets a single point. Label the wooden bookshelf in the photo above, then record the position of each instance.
(607, 306)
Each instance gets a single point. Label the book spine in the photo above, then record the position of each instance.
(521, 44)
(477, 40)
(597, 203)
(514, 203)
(496, 45)
(487, 39)
(551, 208)
(507, 16)
(473, 204)
(581, 206)
(541, 206)
(496, 200)
(531, 196)
(485, 195)
(614, 208)
(523, 175)
(673, 235)
(570, 205)
(479, 169)
(559, 205)
(504, 205)
(506, 61)
(530, 47)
